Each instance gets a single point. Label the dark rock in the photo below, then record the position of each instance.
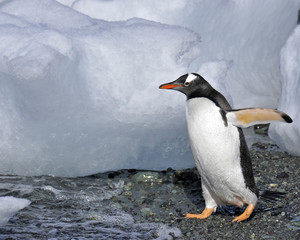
(146, 177)
(261, 129)
(282, 175)
(168, 202)
(260, 145)
(154, 234)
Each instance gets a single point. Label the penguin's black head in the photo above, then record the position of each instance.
(192, 85)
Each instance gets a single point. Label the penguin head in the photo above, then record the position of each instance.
(192, 85)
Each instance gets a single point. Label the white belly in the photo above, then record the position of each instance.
(216, 150)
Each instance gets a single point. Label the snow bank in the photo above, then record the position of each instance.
(9, 206)
(288, 137)
(79, 94)
(249, 33)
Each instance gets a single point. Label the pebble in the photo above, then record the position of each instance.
(261, 129)
(116, 205)
(154, 234)
(146, 177)
(127, 193)
(296, 223)
(173, 193)
(146, 212)
(257, 179)
(273, 184)
(282, 175)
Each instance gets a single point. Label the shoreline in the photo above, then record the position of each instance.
(143, 204)
(166, 196)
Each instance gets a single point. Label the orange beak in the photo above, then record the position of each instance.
(168, 86)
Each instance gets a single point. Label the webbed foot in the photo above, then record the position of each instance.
(205, 214)
(245, 215)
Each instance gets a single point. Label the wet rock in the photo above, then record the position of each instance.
(154, 234)
(167, 203)
(282, 175)
(261, 129)
(116, 205)
(146, 177)
(127, 193)
(180, 193)
(115, 199)
(127, 187)
(260, 145)
(257, 179)
(146, 212)
(187, 175)
(114, 174)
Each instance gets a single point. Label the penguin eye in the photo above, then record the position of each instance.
(186, 84)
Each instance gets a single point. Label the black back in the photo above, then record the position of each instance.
(202, 88)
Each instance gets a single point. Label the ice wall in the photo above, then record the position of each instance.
(80, 96)
(248, 33)
(287, 137)
(79, 79)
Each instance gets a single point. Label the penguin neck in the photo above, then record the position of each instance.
(212, 95)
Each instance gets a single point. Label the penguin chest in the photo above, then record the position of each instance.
(215, 146)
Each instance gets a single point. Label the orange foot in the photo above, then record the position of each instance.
(245, 215)
(205, 214)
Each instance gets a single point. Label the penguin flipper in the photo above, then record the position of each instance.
(250, 116)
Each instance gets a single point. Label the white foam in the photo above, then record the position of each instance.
(9, 206)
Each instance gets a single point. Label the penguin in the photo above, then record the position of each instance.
(218, 144)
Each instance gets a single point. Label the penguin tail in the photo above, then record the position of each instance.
(271, 196)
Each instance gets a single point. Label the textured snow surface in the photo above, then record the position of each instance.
(249, 33)
(288, 137)
(79, 84)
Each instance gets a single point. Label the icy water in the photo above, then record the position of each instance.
(73, 208)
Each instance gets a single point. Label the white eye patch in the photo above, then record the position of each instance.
(191, 77)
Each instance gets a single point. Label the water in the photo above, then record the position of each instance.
(78, 208)
(132, 204)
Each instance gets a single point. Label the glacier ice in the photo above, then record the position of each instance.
(9, 206)
(81, 96)
(287, 137)
(79, 84)
(250, 33)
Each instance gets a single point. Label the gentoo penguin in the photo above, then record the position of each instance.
(218, 144)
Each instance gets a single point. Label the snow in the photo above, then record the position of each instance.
(287, 137)
(79, 84)
(9, 206)
(249, 33)
(81, 96)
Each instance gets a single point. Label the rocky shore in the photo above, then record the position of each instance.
(165, 197)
